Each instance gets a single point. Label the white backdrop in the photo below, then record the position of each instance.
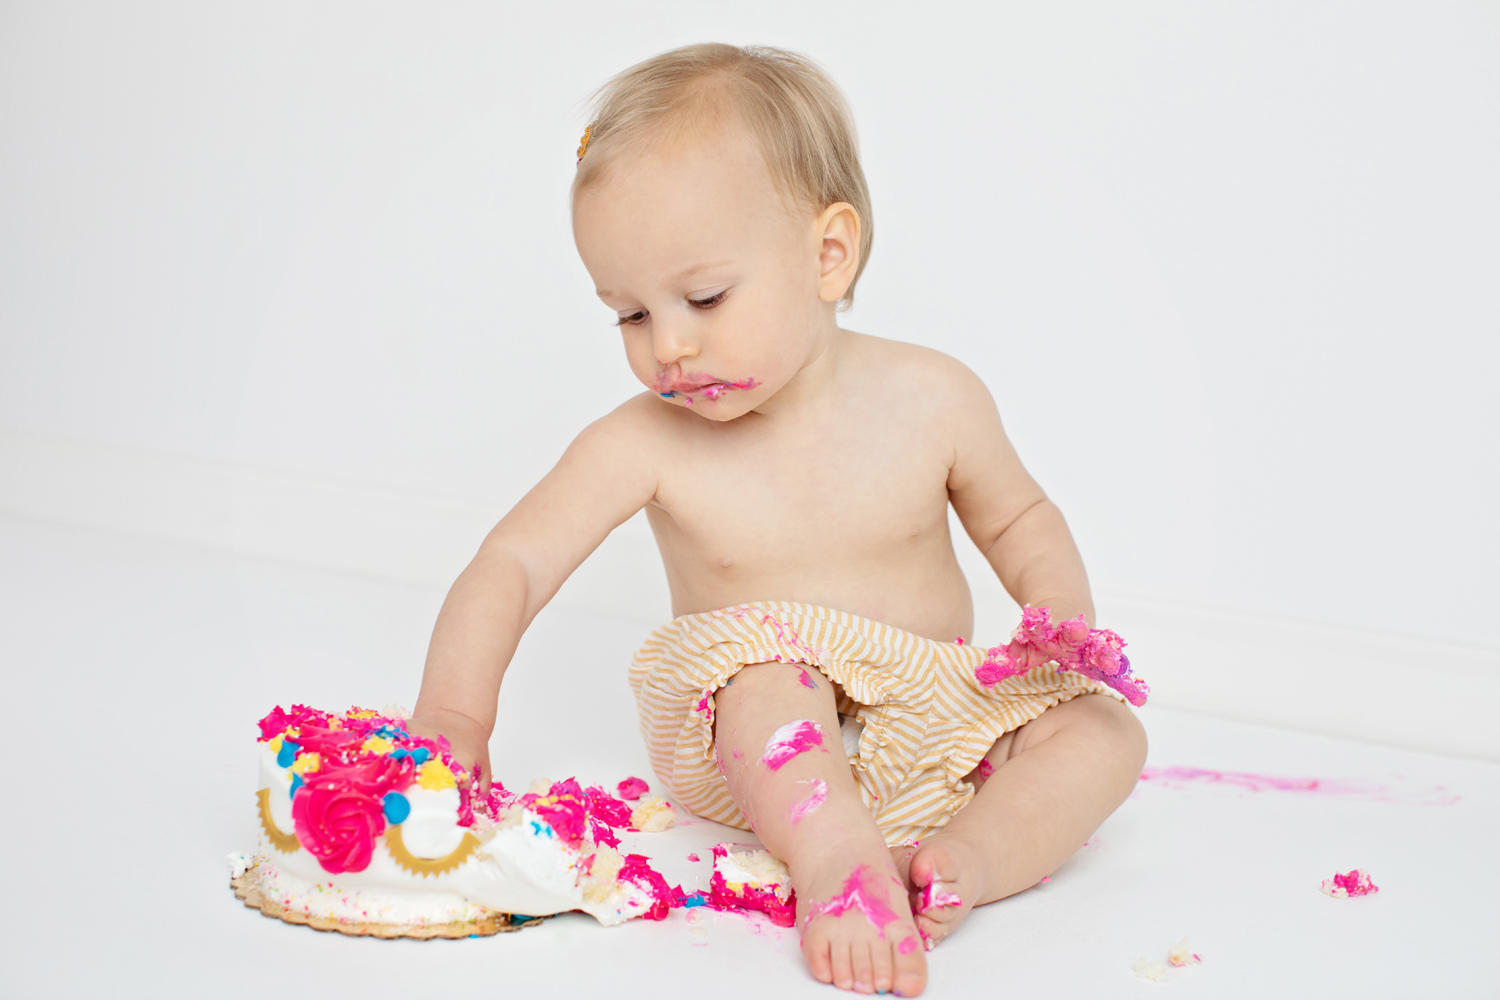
(1229, 269)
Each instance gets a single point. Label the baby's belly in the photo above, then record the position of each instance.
(920, 592)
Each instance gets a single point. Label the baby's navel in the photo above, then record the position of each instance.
(726, 562)
(915, 531)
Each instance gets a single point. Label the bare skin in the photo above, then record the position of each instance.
(780, 457)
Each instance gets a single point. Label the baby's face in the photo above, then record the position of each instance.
(715, 281)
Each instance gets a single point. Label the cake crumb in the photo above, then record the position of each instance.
(653, 815)
(1355, 883)
(238, 865)
(1180, 955)
(1147, 969)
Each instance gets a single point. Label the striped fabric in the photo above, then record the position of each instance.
(927, 720)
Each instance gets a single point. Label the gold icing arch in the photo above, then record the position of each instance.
(286, 843)
(428, 866)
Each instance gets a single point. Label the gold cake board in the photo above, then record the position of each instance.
(499, 923)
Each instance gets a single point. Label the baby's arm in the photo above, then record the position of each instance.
(1010, 519)
(606, 475)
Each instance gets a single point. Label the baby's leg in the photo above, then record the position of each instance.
(857, 927)
(1055, 780)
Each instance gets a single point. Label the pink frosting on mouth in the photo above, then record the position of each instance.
(814, 801)
(862, 893)
(790, 740)
(1095, 653)
(694, 383)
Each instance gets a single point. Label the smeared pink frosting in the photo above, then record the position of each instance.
(787, 635)
(703, 707)
(632, 788)
(1095, 653)
(638, 871)
(1355, 883)
(814, 801)
(934, 897)
(1180, 777)
(984, 767)
(807, 680)
(862, 893)
(790, 740)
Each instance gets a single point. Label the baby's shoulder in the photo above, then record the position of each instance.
(913, 371)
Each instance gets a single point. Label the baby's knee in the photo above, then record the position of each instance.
(1117, 728)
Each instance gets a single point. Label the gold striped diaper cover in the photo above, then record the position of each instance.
(927, 720)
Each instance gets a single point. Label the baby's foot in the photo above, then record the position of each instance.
(948, 878)
(857, 927)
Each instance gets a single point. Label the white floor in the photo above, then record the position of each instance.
(134, 671)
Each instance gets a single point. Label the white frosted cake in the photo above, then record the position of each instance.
(368, 829)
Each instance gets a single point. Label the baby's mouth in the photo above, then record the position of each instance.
(711, 389)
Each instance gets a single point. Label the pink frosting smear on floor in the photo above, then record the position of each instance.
(1182, 777)
(790, 740)
(814, 801)
(1097, 654)
(1355, 883)
(862, 893)
(934, 897)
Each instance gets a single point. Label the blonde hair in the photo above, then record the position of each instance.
(791, 106)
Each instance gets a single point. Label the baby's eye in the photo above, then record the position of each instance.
(709, 302)
(634, 319)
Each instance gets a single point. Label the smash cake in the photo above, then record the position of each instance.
(368, 829)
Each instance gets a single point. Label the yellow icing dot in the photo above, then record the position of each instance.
(306, 762)
(275, 746)
(334, 722)
(361, 713)
(377, 744)
(435, 776)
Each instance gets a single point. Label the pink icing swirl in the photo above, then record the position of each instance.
(338, 812)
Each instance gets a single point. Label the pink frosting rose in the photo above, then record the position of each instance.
(339, 812)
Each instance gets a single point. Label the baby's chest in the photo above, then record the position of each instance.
(836, 494)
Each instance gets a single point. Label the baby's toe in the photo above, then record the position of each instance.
(883, 965)
(909, 976)
(863, 967)
(843, 965)
(816, 948)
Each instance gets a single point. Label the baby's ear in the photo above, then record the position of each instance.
(838, 258)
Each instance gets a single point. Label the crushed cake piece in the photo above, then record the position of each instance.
(652, 814)
(1355, 883)
(748, 878)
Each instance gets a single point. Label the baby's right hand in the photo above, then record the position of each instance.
(467, 740)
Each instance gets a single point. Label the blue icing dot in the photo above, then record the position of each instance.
(287, 754)
(397, 808)
(419, 756)
(696, 899)
(400, 752)
(296, 784)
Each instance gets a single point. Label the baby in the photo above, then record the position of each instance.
(816, 684)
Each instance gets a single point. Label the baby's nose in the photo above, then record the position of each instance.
(671, 344)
